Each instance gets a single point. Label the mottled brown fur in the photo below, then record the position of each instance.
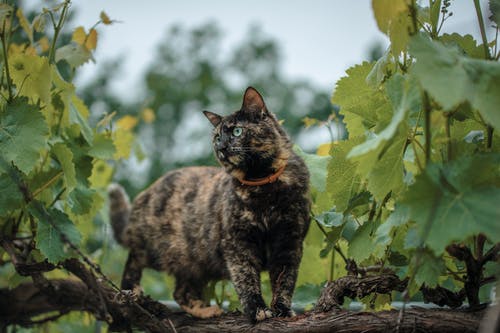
(201, 224)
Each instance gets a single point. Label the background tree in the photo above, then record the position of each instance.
(191, 74)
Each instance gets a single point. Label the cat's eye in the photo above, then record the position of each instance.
(217, 139)
(237, 131)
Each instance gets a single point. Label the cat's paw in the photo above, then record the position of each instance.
(131, 295)
(281, 310)
(262, 314)
(198, 309)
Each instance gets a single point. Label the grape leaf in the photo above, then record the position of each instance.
(342, 181)
(102, 147)
(386, 11)
(313, 268)
(78, 114)
(359, 102)
(452, 79)
(363, 244)
(74, 54)
(51, 223)
(101, 174)
(398, 217)
(23, 134)
(404, 96)
(81, 199)
(65, 158)
(495, 11)
(32, 76)
(387, 173)
(452, 202)
(399, 32)
(380, 159)
(317, 166)
(123, 140)
(10, 196)
(467, 43)
(426, 269)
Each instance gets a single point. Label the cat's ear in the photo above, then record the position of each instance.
(214, 118)
(253, 101)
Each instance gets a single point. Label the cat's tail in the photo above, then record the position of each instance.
(119, 210)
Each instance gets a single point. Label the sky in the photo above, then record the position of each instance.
(319, 39)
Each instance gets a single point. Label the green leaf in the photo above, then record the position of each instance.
(81, 200)
(23, 134)
(434, 13)
(467, 43)
(379, 70)
(399, 32)
(359, 101)
(387, 173)
(74, 54)
(78, 114)
(65, 158)
(405, 97)
(386, 11)
(317, 166)
(10, 196)
(342, 181)
(305, 295)
(124, 142)
(51, 223)
(102, 173)
(399, 217)
(495, 11)
(102, 147)
(330, 219)
(380, 159)
(363, 244)
(32, 76)
(426, 268)
(453, 202)
(452, 79)
(313, 269)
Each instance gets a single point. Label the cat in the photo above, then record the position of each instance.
(231, 222)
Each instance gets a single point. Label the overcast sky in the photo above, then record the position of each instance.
(319, 39)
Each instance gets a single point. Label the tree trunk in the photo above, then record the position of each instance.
(20, 305)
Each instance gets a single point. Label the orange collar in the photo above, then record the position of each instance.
(265, 180)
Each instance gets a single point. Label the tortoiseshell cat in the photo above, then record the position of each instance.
(208, 223)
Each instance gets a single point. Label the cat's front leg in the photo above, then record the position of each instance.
(284, 266)
(244, 268)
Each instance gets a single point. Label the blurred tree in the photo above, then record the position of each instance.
(190, 73)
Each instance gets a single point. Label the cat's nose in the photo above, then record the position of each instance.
(222, 143)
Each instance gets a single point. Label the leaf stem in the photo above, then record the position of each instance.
(427, 128)
(480, 20)
(449, 153)
(47, 184)
(57, 29)
(489, 137)
(332, 266)
(5, 48)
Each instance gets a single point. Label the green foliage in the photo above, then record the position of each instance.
(23, 133)
(452, 79)
(47, 146)
(420, 170)
(454, 201)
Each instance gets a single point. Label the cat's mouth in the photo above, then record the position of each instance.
(229, 156)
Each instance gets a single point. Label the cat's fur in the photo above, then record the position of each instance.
(202, 223)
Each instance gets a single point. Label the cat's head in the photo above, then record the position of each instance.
(250, 143)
